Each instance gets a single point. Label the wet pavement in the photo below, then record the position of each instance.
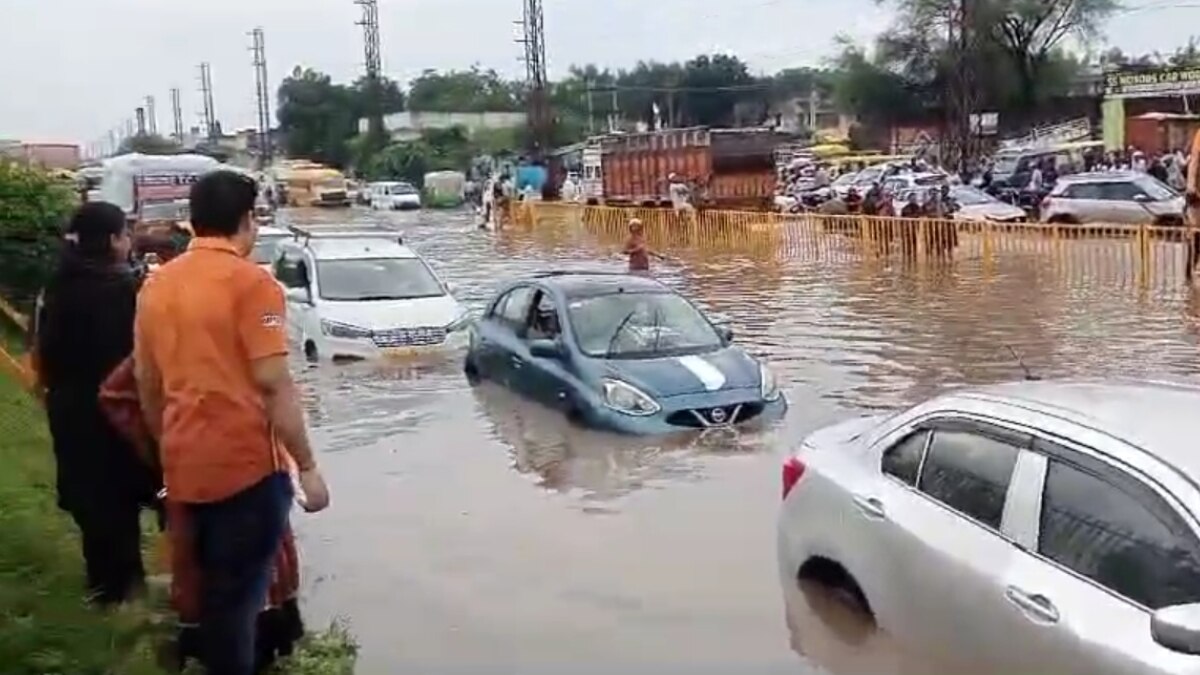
(471, 530)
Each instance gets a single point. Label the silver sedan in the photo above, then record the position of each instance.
(1033, 527)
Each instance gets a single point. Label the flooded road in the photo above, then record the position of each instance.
(472, 529)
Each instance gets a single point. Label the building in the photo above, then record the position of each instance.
(44, 155)
(1151, 108)
(408, 125)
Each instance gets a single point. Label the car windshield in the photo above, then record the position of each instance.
(1158, 191)
(266, 247)
(377, 279)
(641, 325)
(403, 189)
(969, 196)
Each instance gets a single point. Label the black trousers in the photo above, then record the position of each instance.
(112, 551)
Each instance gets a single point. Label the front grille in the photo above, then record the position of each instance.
(408, 337)
(703, 418)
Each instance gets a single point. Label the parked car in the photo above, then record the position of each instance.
(1118, 197)
(266, 248)
(976, 205)
(619, 352)
(361, 293)
(394, 195)
(1048, 527)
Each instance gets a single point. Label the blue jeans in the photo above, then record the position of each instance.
(236, 541)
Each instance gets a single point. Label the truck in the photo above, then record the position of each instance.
(725, 168)
(309, 184)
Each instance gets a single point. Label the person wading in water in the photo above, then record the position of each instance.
(636, 248)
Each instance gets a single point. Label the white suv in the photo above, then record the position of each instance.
(362, 294)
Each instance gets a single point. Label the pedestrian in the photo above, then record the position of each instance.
(84, 329)
(1192, 207)
(636, 248)
(210, 357)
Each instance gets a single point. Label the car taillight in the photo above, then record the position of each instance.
(793, 471)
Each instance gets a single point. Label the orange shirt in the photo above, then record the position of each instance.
(201, 320)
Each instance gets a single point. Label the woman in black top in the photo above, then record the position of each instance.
(84, 329)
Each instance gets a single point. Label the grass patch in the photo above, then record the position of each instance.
(45, 624)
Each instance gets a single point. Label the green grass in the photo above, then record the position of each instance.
(46, 627)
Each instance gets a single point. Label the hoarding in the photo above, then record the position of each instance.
(1152, 83)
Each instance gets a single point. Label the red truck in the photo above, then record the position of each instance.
(725, 168)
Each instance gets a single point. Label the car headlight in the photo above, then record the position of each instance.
(769, 386)
(343, 330)
(459, 323)
(628, 399)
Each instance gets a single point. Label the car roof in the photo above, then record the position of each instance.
(1158, 417)
(365, 247)
(594, 284)
(272, 231)
(1101, 177)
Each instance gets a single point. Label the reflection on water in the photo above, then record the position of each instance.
(464, 526)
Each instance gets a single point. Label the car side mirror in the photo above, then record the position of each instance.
(1177, 628)
(545, 349)
(1142, 198)
(299, 295)
(726, 333)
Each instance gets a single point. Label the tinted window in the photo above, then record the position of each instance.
(1119, 192)
(288, 270)
(1083, 191)
(545, 324)
(903, 460)
(969, 473)
(1124, 538)
(377, 279)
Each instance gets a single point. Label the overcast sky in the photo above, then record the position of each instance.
(70, 70)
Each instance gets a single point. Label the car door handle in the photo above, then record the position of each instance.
(870, 506)
(1034, 605)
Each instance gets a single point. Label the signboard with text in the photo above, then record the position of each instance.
(1152, 83)
(163, 187)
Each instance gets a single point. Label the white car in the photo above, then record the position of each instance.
(359, 294)
(1034, 527)
(266, 247)
(394, 195)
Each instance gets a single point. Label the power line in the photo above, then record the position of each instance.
(533, 29)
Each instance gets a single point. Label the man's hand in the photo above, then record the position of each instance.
(314, 493)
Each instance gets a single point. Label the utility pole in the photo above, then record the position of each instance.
(263, 94)
(209, 116)
(139, 113)
(533, 29)
(591, 108)
(151, 116)
(177, 114)
(373, 63)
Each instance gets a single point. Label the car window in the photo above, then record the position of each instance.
(1083, 191)
(544, 322)
(513, 308)
(1157, 190)
(287, 270)
(1119, 192)
(1123, 537)
(903, 460)
(374, 279)
(266, 248)
(969, 472)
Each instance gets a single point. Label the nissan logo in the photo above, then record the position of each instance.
(718, 415)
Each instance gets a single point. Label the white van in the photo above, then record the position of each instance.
(266, 247)
(362, 294)
(394, 195)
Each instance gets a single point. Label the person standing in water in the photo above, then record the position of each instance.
(636, 248)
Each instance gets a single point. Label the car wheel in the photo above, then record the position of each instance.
(830, 574)
(310, 351)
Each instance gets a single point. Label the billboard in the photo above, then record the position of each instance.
(1152, 83)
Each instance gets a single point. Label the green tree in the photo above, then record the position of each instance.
(318, 117)
(473, 90)
(33, 207)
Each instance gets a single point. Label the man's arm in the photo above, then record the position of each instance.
(282, 400)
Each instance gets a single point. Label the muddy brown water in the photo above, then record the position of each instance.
(473, 531)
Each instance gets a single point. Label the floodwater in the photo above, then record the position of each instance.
(473, 531)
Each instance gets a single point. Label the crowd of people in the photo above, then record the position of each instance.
(174, 394)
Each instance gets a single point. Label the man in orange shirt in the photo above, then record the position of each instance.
(210, 351)
(1192, 208)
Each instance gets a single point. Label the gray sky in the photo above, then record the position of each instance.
(73, 69)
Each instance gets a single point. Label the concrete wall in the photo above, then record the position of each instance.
(408, 125)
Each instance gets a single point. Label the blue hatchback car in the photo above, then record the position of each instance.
(619, 352)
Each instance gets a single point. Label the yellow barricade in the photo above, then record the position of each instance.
(1145, 256)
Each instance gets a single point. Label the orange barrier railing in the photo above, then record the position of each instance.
(1141, 255)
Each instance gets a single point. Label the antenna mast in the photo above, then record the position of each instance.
(373, 62)
(533, 28)
(263, 94)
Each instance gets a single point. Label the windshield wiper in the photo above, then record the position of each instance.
(612, 343)
(657, 328)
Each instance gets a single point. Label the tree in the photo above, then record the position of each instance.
(33, 207)
(317, 117)
(150, 144)
(713, 87)
(473, 90)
